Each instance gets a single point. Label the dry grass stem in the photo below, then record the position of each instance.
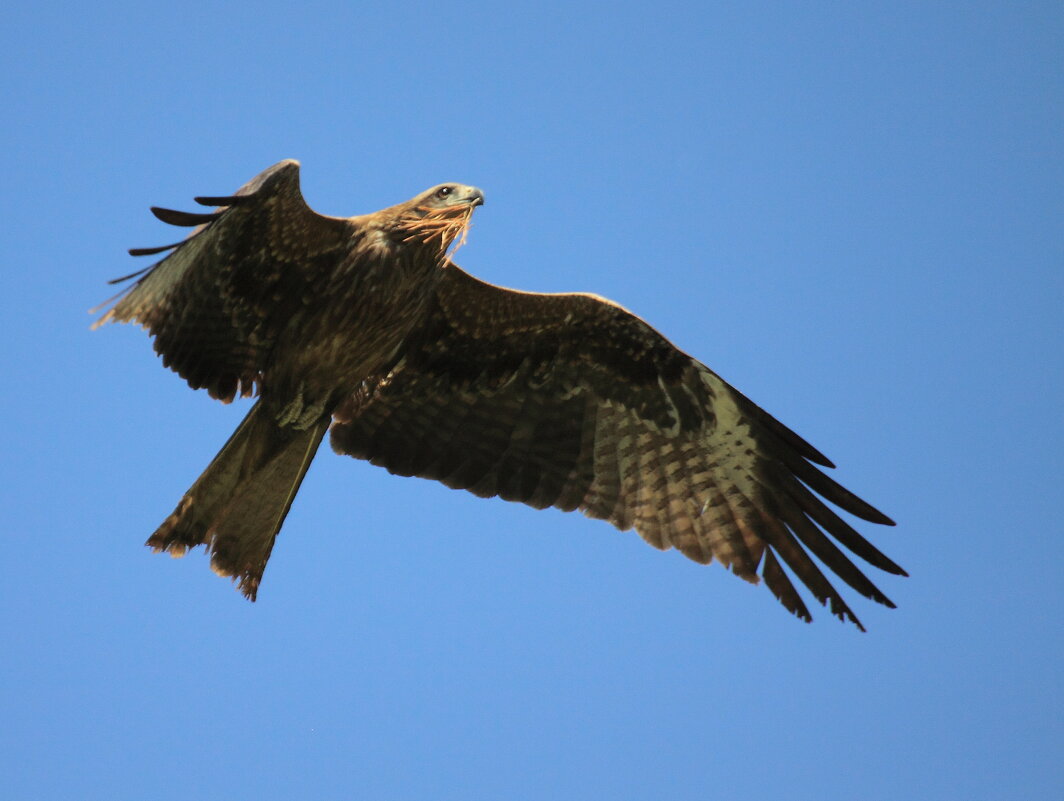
(448, 226)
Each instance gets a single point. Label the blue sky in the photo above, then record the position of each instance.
(852, 211)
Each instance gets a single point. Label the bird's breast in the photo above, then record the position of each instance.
(349, 329)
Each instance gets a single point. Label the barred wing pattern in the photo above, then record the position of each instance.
(571, 401)
(217, 303)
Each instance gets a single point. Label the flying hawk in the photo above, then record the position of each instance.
(364, 325)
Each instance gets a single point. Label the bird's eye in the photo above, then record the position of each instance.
(444, 191)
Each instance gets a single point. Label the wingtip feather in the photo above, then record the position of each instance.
(221, 201)
(146, 252)
(183, 219)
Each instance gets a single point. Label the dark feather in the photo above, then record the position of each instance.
(184, 219)
(781, 586)
(785, 543)
(127, 277)
(231, 200)
(836, 493)
(790, 440)
(148, 252)
(836, 526)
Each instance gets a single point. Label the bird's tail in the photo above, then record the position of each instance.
(237, 506)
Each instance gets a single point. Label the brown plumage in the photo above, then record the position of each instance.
(563, 400)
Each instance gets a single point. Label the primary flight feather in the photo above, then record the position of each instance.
(364, 325)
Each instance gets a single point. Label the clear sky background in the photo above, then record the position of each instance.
(851, 211)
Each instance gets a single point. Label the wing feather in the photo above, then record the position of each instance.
(218, 301)
(573, 402)
(604, 492)
(184, 219)
(780, 585)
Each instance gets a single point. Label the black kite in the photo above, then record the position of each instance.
(567, 400)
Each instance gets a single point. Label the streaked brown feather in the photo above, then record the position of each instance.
(571, 401)
(218, 302)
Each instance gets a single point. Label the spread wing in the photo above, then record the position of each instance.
(573, 402)
(217, 302)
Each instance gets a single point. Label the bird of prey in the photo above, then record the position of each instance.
(364, 325)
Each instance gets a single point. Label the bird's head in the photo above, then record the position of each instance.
(440, 215)
(449, 196)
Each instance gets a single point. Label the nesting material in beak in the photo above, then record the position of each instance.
(448, 226)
